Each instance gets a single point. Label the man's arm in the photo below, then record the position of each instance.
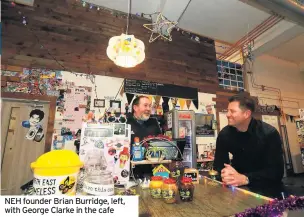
(221, 153)
(274, 167)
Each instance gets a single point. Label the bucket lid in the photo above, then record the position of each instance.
(57, 158)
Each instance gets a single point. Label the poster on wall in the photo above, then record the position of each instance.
(34, 125)
(113, 141)
(74, 107)
(300, 134)
(203, 124)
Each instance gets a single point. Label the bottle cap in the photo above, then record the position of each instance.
(186, 180)
(169, 181)
(156, 178)
(136, 139)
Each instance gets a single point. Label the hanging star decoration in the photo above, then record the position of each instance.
(162, 27)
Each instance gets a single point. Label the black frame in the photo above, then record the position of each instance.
(97, 100)
(119, 103)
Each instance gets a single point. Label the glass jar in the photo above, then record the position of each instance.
(98, 183)
(169, 190)
(186, 189)
(156, 186)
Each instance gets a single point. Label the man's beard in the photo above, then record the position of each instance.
(144, 117)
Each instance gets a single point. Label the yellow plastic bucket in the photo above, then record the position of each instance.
(55, 173)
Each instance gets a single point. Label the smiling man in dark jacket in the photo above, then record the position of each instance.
(142, 125)
(256, 148)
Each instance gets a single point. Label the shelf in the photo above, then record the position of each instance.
(150, 162)
(205, 160)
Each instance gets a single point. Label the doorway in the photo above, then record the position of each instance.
(24, 126)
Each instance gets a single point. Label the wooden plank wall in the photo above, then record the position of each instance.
(78, 37)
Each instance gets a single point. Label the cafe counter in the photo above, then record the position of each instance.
(211, 199)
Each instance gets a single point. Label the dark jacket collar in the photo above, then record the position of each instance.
(251, 126)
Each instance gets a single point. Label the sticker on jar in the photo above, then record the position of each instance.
(185, 194)
(175, 174)
(98, 189)
(156, 192)
(55, 185)
(168, 194)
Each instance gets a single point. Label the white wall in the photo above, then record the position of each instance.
(286, 76)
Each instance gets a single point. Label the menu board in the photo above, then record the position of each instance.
(154, 88)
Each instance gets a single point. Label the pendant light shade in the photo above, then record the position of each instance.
(126, 51)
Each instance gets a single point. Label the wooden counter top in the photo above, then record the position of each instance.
(211, 199)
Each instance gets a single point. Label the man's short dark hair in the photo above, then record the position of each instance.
(246, 102)
(136, 101)
(37, 112)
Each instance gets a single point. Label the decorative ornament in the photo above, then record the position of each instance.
(162, 27)
(126, 51)
(275, 207)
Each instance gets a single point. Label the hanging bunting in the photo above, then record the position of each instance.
(130, 97)
(157, 100)
(182, 103)
(150, 98)
(165, 104)
(188, 103)
(195, 102)
(174, 102)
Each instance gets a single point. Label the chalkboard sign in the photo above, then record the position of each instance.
(193, 174)
(153, 88)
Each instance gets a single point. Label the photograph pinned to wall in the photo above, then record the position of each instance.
(35, 132)
(115, 105)
(209, 109)
(204, 125)
(58, 142)
(119, 129)
(99, 103)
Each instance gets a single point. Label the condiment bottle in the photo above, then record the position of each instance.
(169, 190)
(186, 189)
(156, 186)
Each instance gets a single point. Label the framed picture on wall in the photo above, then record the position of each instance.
(115, 105)
(99, 103)
(204, 125)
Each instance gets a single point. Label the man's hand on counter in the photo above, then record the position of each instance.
(231, 177)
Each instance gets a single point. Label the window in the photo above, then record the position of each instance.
(230, 75)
